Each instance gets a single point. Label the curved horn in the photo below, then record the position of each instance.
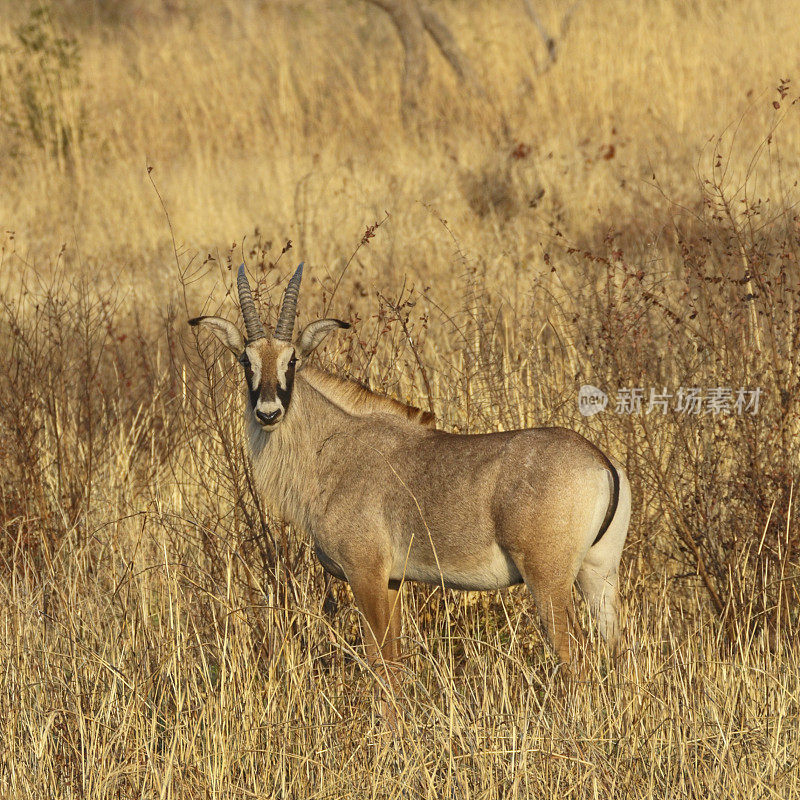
(285, 326)
(252, 323)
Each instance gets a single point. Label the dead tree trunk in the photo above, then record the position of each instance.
(412, 20)
(448, 47)
(406, 18)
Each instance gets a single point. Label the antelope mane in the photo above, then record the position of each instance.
(358, 400)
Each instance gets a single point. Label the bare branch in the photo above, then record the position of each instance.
(449, 48)
(567, 18)
(412, 19)
(550, 42)
(405, 15)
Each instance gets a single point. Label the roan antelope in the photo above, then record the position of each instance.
(388, 498)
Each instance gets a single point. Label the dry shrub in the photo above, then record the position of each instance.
(721, 319)
(40, 82)
(79, 375)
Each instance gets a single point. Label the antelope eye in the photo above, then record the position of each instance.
(244, 360)
(292, 362)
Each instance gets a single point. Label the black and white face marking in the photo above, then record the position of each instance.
(285, 375)
(269, 370)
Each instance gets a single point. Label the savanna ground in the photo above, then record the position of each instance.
(623, 217)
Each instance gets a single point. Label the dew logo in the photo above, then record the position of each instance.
(591, 400)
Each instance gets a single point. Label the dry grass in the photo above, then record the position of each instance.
(626, 218)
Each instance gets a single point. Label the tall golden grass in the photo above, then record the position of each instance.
(626, 218)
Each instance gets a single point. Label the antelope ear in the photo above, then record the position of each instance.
(314, 333)
(225, 331)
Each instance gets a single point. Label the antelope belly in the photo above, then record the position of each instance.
(328, 564)
(495, 570)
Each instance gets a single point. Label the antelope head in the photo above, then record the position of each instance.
(269, 362)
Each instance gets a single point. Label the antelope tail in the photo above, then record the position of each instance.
(612, 506)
